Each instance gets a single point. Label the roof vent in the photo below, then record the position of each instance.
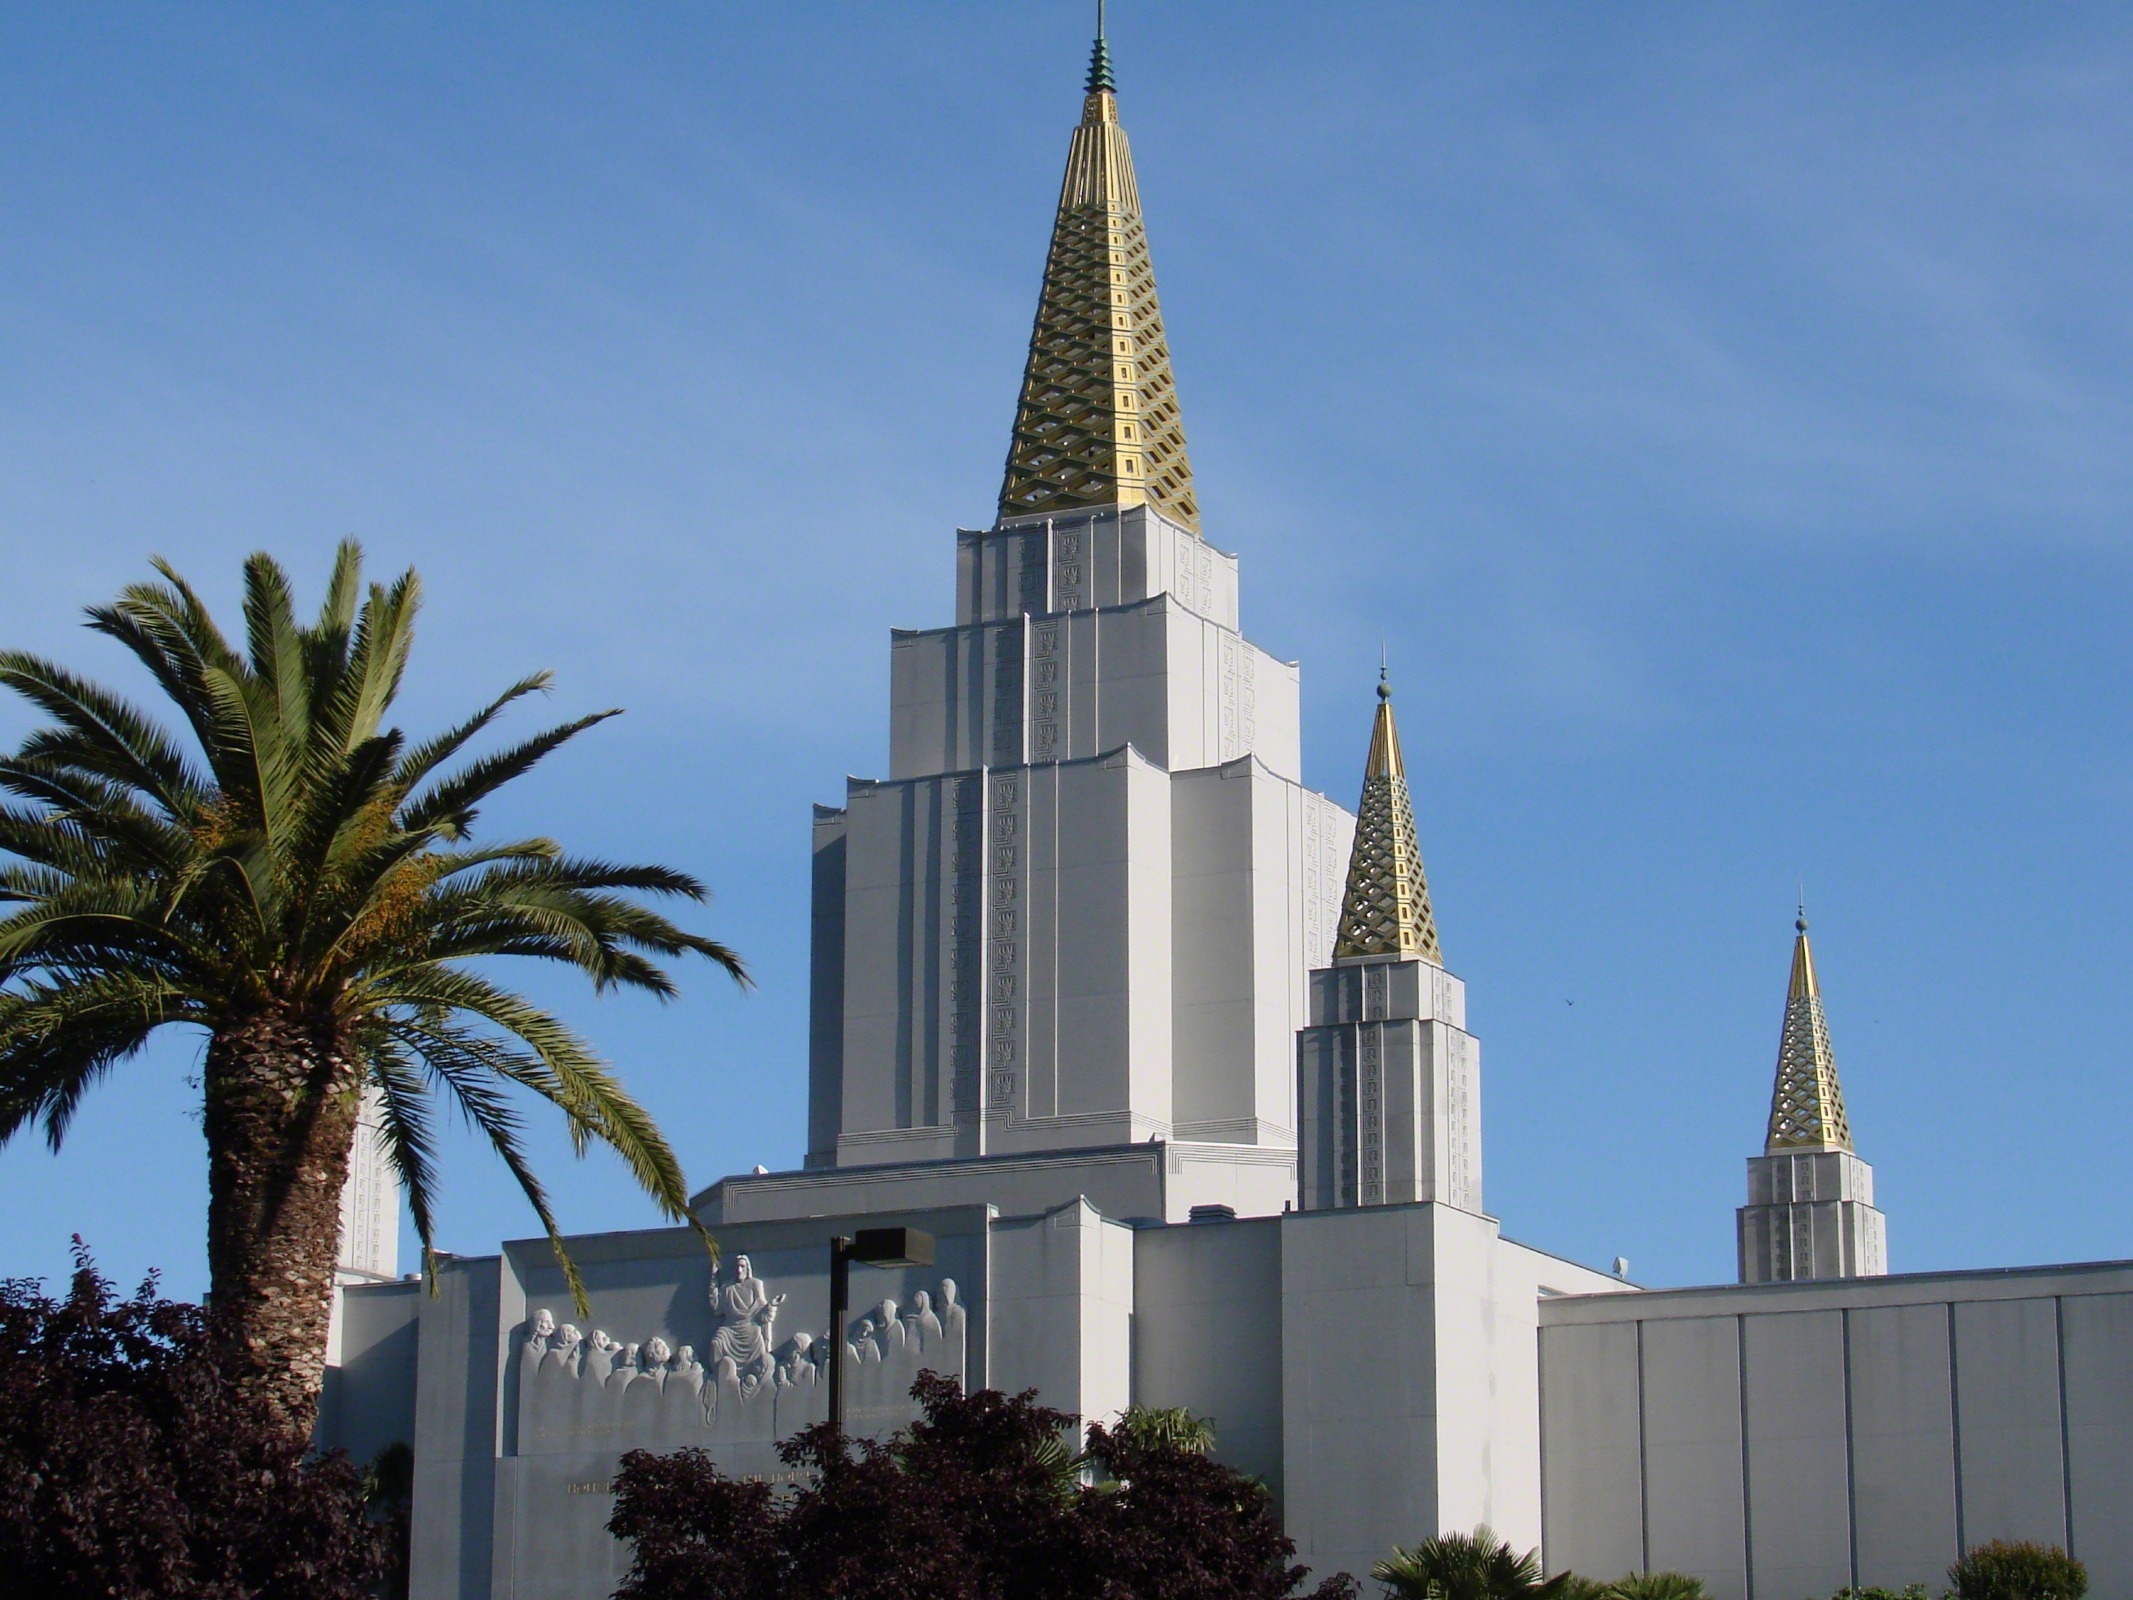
(1213, 1214)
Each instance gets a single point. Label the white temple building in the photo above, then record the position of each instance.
(1162, 1046)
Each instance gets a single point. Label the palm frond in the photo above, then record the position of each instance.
(468, 1065)
(57, 1039)
(337, 612)
(385, 632)
(449, 805)
(566, 1073)
(410, 1145)
(279, 662)
(104, 811)
(426, 757)
(101, 734)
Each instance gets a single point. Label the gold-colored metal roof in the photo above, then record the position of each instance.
(1098, 421)
(1385, 910)
(1807, 1104)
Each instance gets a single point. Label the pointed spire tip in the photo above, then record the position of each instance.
(1100, 79)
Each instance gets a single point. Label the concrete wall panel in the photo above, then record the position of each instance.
(1692, 1454)
(1592, 1481)
(2098, 1333)
(1201, 1338)
(1799, 1519)
(1903, 1444)
(1358, 1383)
(2007, 1421)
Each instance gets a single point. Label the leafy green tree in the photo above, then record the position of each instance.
(1467, 1566)
(2011, 1569)
(298, 881)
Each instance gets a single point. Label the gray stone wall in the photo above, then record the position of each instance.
(1787, 1440)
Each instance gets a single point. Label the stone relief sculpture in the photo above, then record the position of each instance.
(925, 1326)
(749, 1386)
(746, 1311)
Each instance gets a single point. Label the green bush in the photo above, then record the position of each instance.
(1914, 1591)
(2009, 1569)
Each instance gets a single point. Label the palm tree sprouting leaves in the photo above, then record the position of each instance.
(1656, 1586)
(1481, 1566)
(296, 878)
(1467, 1566)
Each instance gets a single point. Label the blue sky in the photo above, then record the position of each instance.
(1723, 414)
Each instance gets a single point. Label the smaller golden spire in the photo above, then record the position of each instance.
(1807, 1103)
(1385, 910)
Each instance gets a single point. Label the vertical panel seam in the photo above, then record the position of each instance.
(1644, 1475)
(1747, 1502)
(2066, 1442)
(1851, 1466)
(1540, 1413)
(1955, 1429)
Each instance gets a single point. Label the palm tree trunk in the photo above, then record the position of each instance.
(281, 1115)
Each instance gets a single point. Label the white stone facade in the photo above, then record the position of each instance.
(1389, 1088)
(370, 1201)
(1079, 911)
(1810, 1214)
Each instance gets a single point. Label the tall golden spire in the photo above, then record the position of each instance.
(1098, 421)
(1807, 1105)
(1385, 910)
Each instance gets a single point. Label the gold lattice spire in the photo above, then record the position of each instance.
(1385, 910)
(1098, 421)
(1807, 1106)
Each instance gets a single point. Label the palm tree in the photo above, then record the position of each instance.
(1467, 1566)
(1167, 1427)
(303, 888)
(1657, 1586)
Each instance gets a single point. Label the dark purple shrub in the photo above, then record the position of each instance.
(133, 1468)
(979, 1499)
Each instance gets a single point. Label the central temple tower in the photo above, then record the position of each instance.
(1079, 911)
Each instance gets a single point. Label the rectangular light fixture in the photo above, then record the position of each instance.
(893, 1247)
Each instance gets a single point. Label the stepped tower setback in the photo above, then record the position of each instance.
(1078, 911)
(1810, 1210)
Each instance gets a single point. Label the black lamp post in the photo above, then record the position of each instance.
(870, 1247)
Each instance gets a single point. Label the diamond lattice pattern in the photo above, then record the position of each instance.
(1807, 1106)
(1386, 911)
(1098, 421)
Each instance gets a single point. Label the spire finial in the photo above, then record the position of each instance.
(1384, 675)
(1100, 79)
